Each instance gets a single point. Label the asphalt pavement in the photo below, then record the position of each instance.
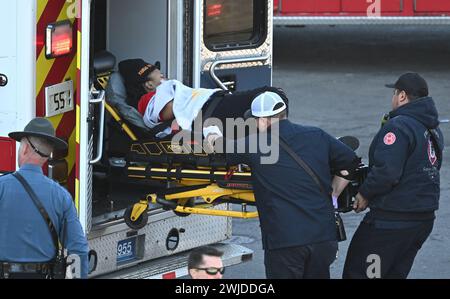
(334, 78)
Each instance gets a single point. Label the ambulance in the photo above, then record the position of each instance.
(52, 55)
(361, 12)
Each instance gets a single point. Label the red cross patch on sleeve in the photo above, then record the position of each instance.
(389, 138)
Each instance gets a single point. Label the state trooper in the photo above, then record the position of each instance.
(27, 246)
(402, 188)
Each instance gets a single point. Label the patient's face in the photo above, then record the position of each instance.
(154, 80)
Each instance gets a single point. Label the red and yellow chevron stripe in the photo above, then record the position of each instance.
(77, 111)
(54, 71)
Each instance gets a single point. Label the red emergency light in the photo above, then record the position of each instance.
(58, 39)
(214, 10)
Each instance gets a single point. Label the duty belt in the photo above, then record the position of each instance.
(10, 269)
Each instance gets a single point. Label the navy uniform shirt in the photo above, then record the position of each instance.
(292, 209)
(24, 234)
(403, 183)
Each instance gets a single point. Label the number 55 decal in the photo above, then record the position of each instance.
(58, 98)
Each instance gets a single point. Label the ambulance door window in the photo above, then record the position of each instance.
(234, 24)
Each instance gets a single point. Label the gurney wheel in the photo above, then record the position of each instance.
(190, 203)
(139, 223)
(180, 214)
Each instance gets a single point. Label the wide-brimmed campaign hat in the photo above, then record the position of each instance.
(42, 128)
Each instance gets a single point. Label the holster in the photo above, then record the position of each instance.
(59, 267)
(340, 229)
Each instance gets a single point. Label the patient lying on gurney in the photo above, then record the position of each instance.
(175, 101)
(171, 102)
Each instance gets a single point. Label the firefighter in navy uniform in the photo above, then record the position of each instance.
(402, 188)
(297, 218)
(27, 246)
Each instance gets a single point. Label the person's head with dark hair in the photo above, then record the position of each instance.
(140, 78)
(408, 88)
(205, 263)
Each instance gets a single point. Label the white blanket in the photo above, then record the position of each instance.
(187, 103)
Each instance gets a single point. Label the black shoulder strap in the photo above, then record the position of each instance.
(40, 207)
(303, 165)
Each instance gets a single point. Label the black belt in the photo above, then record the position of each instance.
(11, 269)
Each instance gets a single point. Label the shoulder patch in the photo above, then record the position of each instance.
(389, 138)
(431, 153)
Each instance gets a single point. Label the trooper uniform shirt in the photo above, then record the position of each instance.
(403, 180)
(292, 209)
(24, 234)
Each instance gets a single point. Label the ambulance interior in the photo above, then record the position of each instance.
(117, 27)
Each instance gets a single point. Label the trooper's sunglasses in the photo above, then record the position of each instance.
(212, 270)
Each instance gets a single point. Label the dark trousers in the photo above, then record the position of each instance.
(232, 105)
(236, 104)
(396, 249)
(302, 262)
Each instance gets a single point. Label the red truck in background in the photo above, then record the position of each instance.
(347, 12)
